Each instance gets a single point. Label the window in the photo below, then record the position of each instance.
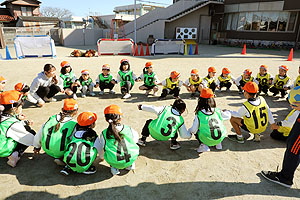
(256, 21)
(242, 21)
(225, 21)
(273, 21)
(24, 11)
(248, 22)
(29, 11)
(234, 22)
(264, 25)
(282, 21)
(292, 21)
(228, 27)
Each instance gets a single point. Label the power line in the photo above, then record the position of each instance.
(152, 2)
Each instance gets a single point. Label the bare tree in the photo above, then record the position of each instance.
(60, 13)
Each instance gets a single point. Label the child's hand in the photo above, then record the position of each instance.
(113, 82)
(140, 106)
(21, 117)
(274, 126)
(97, 85)
(30, 122)
(36, 151)
(138, 80)
(296, 106)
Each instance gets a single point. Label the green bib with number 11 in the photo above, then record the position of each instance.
(211, 130)
(54, 143)
(165, 125)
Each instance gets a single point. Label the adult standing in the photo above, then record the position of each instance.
(44, 86)
(291, 157)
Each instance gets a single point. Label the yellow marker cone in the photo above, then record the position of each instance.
(185, 50)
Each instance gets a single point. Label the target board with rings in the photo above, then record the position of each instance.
(186, 33)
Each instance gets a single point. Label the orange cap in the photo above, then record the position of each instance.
(10, 97)
(2, 79)
(86, 118)
(85, 71)
(148, 64)
(194, 72)
(175, 74)
(113, 109)
(105, 66)
(206, 93)
(284, 67)
(251, 87)
(19, 86)
(248, 72)
(123, 60)
(226, 71)
(70, 104)
(264, 66)
(64, 64)
(212, 69)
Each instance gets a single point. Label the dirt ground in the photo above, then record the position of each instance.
(232, 173)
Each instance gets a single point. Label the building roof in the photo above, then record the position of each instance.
(5, 15)
(11, 1)
(38, 19)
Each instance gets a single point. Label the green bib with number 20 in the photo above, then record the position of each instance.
(165, 125)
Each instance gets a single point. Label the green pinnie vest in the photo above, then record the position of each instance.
(85, 82)
(67, 79)
(165, 125)
(149, 79)
(211, 130)
(80, 154)
(7, 145)
(120, 154)
(54, 143)
(126, 77)
(104, 79)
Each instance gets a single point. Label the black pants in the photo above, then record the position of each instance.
(126, 87)
(276, 135)
(104, 85)
(213, 86)
(276, 91)
(167, 91)
(48, 92)
(146, 132)
(292, 154)
(226, 84)
(263, 88)
(20, 148)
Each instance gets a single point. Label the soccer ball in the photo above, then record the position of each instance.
(294, 95)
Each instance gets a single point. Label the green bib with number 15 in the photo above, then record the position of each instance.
(54, 143)
(211, 130)
(165, 125)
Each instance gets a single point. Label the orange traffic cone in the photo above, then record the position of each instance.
(196, 50)
(142, 51)
(244, 50)
(147, 50)
(136, 52)
(291, 55)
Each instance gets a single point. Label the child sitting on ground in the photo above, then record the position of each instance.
(297, 81)
(24, 89)
(171, 85)
(253, 116)
(105, 80)
(82, 151)
(243, 79)
(209, 81)
(208, 124)
(86, 83)
(224, 80)
(264, 80)
(150, 79)
(281, 82)
(68, 81)
(193, 83)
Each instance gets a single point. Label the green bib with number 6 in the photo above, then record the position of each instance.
(80, 155)
(54, 143)
(211, 130)
(165, 125)
(120, 154)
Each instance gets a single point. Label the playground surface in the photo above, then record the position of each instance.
(232, 173)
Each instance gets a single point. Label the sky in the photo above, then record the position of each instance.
(103, 7)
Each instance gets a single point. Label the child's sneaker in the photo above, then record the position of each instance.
(50, 99)
(132, 167)
(155, 94)
(235, 138)
(228, 90)
(91, 170)
(274, 177)
(101, 92)
(174, 145)
(59, 162)
(127, 96)
(219, 146)
(112, 92)
(203, 148)
(256, 137)
(141, 142)
(147, 92)
(114, 171)
(65, 171)
(83, 95)
(74, 96)
(13, 159)
(92, 94)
